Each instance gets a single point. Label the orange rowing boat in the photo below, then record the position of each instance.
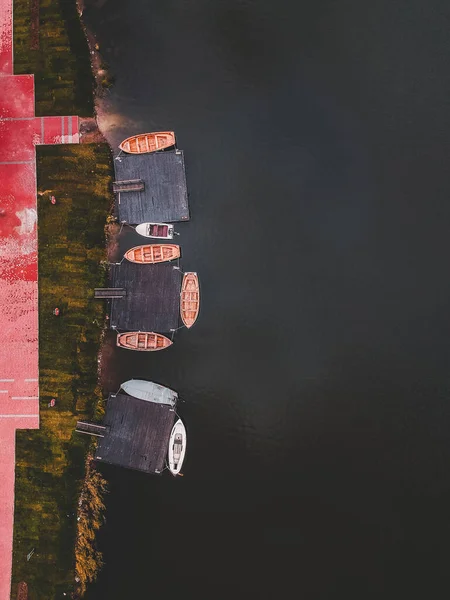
(190, 299)
(143, 341)
(148, 142)
(153, 253)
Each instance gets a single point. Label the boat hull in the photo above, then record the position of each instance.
(148, 142)
(150, 254)
(161, 231)
(189, 299)
(150, 392)
(177, 447)
(143, 341)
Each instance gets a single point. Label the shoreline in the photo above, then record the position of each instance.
(90, 130)
(106, 379)
(105, 119)
(93, 132)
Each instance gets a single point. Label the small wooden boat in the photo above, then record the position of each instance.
(149, 391)
(177, 447)
(148, 142)
(156, 230)
(153, 253)
(143, 341)
(190, 299)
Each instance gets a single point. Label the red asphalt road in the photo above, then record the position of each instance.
(20, 132)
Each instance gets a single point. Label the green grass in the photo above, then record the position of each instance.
(63, 76)
(50, 461)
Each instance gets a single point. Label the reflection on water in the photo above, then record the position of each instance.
(110, 122)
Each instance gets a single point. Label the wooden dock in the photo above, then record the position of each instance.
(152, 301)
(132, 185)
(162, 195)
(138, 434)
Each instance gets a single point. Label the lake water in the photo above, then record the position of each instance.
(316, 380)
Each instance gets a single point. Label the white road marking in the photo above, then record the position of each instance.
(24, 397)
(31, 379)
(6, 379)
(15, 416)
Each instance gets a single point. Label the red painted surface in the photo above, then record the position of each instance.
(20, 132)
(18, 96)
(6, 58)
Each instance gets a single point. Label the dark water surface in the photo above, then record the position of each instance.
(317, 379)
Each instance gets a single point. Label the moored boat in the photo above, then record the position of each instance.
(177, 447)
(156, 230)
(143, 341)
(149, 391)
(153, 253)
(189, 299)
(148, 142)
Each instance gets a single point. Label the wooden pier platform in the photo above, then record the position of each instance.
(152, 301)
(161, 195)
(138, 434)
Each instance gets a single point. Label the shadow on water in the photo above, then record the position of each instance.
(316, 378)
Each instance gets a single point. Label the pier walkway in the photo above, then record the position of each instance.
(20, 132)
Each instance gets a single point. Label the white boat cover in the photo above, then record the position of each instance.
(152, 392)
(177, 447)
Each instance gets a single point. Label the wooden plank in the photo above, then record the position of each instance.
(135, 185)
(91, 428)
(110, 292)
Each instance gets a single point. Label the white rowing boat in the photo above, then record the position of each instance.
(152, 392)
(156, 230)
(177, 447)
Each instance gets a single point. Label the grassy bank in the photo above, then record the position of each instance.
(49, 42)
(88, 560)
(50, 461)
(61, 62)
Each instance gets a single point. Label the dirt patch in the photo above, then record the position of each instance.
(112, 241)
(22, 591)
(109, 363)
(89, 131)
